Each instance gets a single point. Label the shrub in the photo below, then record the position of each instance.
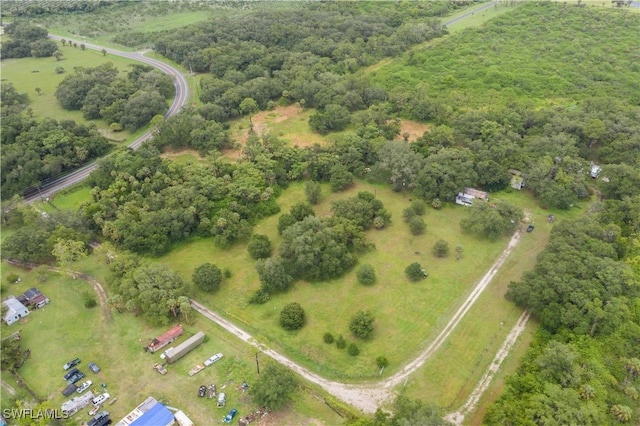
(353, 349)
(115, 127)
(292, 316)
(417, 225)
(415, 272)
(59, 70)
(227, 273)
(259, 297)
(340, 342)
(361, 324)
(441, 248)
(418, 207)
(379, 222)
(382, 361)
(89, 300)
(259, 246)
(12, 278)
(312, 190)
(328, 337)
(436, 203)
(207, 277)
(366, 274)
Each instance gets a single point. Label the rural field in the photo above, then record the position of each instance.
(462, 91)
(115, 343)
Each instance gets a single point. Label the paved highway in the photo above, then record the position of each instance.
(182, 92)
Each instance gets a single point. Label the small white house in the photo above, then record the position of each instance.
(595, 171)
(15, 310)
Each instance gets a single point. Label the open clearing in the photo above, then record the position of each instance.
(116, 346)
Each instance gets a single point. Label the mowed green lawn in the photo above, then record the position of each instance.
(64, 329)
(407, 314)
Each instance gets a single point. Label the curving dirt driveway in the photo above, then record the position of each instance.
(371, 395)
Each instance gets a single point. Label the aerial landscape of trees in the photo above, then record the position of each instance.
(574, 102)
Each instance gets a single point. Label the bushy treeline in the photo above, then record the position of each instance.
(539, 53)
(26, 40)
(100, 93)
(34, 150)
(30, 9)
(583, 368)
(301, 54)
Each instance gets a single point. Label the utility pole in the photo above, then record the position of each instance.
(257, 363)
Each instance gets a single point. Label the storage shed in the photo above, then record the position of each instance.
(15, 310)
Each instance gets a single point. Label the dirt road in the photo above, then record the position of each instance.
(458, 417)
(369, 396)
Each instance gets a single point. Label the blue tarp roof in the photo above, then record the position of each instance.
(158, 415)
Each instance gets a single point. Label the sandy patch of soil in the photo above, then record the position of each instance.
(414, 129)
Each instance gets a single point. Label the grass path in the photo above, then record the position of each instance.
(458, 417)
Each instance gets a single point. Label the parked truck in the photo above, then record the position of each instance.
(174, 354)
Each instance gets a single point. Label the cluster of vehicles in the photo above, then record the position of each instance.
(100, 419)
(73, 375)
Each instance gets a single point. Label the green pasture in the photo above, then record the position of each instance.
(403, 309)
(449, 377)
(28, 73)
(64, 329)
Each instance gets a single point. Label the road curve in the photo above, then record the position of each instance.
(182, 92)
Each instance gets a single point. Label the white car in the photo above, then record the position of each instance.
(213, 359)
(100, 399)
(83, 387)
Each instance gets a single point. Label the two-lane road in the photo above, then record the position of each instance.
(182, 92)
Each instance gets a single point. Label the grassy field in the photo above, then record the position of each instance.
(28, 73)
(115, 344)
(329, 305)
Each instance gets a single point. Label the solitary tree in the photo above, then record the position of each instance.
(459, 251)
(382, 361)
(312, 191)
(415, 272)
(366, 274)
(82, 46)
(104, 52)
(417, 225)
(259, 246)
(353, 349)
(441, 248)
(274, 386)
(207, 277)
(361, 324)
(38, 91)
(292, 316)
(57, 54)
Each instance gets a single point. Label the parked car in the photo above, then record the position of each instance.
(71, 373)
(222, 399)
(100, 399)
(99, 419)
(84, 386)
(70, 389)
(213, 359)
(530, 228)
(230, 416)
(93, 367)
(71, 363)
(202, 391)
(76, 377)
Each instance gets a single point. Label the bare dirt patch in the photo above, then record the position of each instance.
(172, 153)
(414, 129)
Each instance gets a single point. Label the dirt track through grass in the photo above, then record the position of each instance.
(369, 396)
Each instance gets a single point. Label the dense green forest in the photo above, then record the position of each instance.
(511, 95)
